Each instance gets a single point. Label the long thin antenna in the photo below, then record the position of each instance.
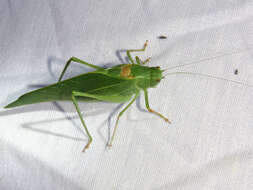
(206, 59)
(209, 76)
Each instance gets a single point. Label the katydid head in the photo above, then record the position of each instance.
(155, 76)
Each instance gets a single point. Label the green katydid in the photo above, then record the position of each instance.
(120, 83)
(117, 84)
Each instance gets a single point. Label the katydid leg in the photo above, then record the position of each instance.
(81, 118)
(152, 111)
(135, 50)
(74, 59)
(120, 114)
(139, 61)
(146, 61)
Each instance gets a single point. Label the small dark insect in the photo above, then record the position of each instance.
(162, 37)
(236, 72)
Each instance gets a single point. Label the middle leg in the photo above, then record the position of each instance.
(120, 114)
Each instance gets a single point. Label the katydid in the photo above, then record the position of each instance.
(120, 83)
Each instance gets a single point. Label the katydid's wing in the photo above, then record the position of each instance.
(98, 84)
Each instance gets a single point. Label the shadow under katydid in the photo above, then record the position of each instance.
(30, 125)
(65, 108)
(123, 60)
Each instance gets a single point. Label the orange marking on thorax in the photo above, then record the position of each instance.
(126, 71)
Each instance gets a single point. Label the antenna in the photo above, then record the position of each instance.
(209, 76)
(206, 59)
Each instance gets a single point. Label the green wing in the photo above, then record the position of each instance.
(99, 86)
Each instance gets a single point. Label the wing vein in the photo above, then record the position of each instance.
(105, 87)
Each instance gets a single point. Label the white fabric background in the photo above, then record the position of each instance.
(209, 144)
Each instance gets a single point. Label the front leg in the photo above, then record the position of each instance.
(152, 111)
(139, 61)
(134, 50)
